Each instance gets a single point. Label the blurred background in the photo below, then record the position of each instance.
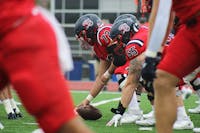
(68, 11)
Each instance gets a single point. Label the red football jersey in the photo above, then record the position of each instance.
(185, 9)
(103, 40)
(15, 8)
(122, 69)
(137, 44)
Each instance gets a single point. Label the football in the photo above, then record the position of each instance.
(89, 112)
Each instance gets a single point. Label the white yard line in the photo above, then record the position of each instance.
(30, 123)
(105, 92)
(106, 101)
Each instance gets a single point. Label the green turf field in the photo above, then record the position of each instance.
(27, 124)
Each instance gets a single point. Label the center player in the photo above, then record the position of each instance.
(91, 32)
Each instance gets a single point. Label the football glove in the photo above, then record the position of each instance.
(149, 68)
(115, 120)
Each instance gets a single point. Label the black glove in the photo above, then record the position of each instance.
(149, 68)
(148, 71)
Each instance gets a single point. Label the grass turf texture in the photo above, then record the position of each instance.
(27, 123)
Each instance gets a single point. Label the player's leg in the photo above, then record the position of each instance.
(183, 121)
(133, 112)
(149, 118)
(196, 86)
(165, 101)
(4, 96)
(168, 76)
(34, 71)
(132, 80)
(13, 103)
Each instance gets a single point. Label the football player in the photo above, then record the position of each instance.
(132, 39)
(132, 47)
(183, 121)
(33, 54)
(168, 75)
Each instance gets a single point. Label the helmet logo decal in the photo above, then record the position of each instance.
(124, 28)
(87, 23)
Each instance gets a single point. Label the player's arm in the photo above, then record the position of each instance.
(99, 83)
(103, 72)
(160, 24)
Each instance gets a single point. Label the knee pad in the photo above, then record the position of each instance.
(195, 84)
(150, 96)
(121, 78)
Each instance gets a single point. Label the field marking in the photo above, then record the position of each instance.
(104, 92)
(30, 123)
(103, 101)
(106, 101)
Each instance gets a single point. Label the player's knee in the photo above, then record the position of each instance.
(165, 82)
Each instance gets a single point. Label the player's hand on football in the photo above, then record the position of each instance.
(115, 120)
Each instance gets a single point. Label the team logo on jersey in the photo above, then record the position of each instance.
(87, 23)
(132, 52)
(124, 28)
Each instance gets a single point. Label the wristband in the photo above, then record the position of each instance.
(150, 53)
(89, 97)
(107, 74)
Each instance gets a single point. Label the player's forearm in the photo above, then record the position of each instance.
(98, 85)
(159, 26)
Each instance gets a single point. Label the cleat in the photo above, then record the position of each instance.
(195, 110)
(146, 122)
(18, 115)
(197, 102)
(148, 115)
(196, 130)
(183, 124)
(38, 131)
(186, 92)
(11, 116)
(1, 126)
(129, 117)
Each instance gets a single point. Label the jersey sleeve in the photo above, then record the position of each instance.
(136, 45)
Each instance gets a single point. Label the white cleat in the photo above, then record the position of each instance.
(1, 126)
(39, 130)
(197, 102)
(196, 130)
(131, 117)
(195, 110)
(146, 122)
(186, 92)
(183, 124)
(148, 115)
